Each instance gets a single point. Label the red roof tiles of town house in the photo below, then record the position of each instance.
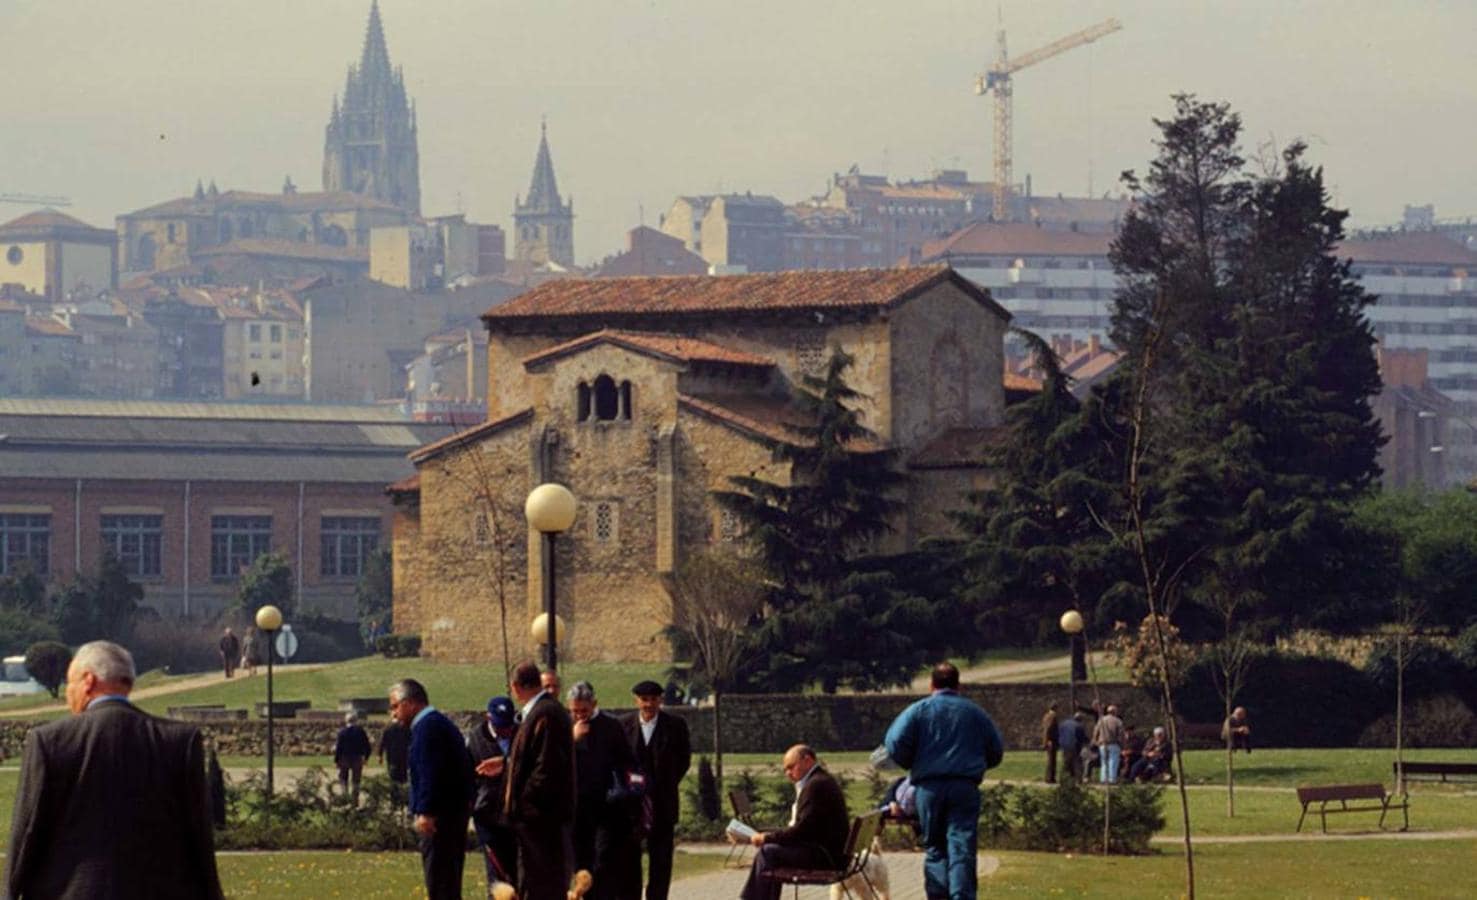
(1418, 248)
(1014, 382)
(463, 438)
(44, 218)
(673, 347)
(959, 448)
(1015, 239)
(856, 289)
(410, 485)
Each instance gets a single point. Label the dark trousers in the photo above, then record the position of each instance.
(659, 845)
(543, 862)
(351, 770)
(603, 847)
(1051, 763)
(443, 856)
(504, 845)
(949, 811)
(778, 856)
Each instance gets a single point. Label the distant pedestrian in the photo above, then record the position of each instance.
(1071, 737)
(947, 743)
(1049, 741)
(230, 647)
(1107, 736)
(250, 653)
(350, 750)
(441, 788)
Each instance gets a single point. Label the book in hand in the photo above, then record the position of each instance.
(739, 832)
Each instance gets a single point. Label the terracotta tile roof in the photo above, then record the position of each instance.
(48, 223)
(463, 438)
(1014, 382)
(671, 347)
(1015, 239)
(1418, 248)
(959, 448)
(410, 485)
(44, 218)
(854, 289)
(301, 201)
(287, 249)
(10, 306)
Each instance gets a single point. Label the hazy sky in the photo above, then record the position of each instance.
(124, 103)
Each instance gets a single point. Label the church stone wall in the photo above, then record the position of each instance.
(947, 356)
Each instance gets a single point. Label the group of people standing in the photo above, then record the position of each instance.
(549, 790)
(242, 653)
(1114, 748)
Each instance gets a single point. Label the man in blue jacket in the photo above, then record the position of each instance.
(947, 742)
(441, 787)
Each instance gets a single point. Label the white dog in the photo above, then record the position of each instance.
(873, 875)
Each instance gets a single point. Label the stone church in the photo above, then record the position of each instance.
(370, 143)
(643, 396)
(543, 224)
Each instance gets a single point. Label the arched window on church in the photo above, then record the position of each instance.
(626, 400)
(607, 399)
(583, 402)
(225, 231)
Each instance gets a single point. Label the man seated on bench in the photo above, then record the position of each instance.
(816, 835)
(1155, 759)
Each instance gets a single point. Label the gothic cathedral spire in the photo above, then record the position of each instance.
(370, 144)
(543, 226)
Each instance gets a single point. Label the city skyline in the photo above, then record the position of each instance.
(648, 101)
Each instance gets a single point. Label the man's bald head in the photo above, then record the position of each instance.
(798, 761)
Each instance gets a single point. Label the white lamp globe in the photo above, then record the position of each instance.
(1072, 622)
(269, 618)
(550, 508)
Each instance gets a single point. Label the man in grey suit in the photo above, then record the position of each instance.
(112, 802)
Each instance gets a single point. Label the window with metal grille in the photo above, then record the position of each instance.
(136, 540)
(729, 526)
(25, 538)
(482, 528)
(347, 542)
(603, 523)
(236, 542)
(810, 357)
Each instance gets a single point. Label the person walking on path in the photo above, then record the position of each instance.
(112, 802)
(1107, 736)
(947, 743)
(230, 647)
(1049, 742)
(441, 788)
(250, 655)
(663, 747)
(350, 750)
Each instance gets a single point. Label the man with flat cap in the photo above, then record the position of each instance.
(661, 744)
(492, 739)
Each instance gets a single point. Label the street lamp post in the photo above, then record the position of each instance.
(1071, 624)
(269, 620)
(550, 509)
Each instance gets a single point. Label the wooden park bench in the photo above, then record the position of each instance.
(1342, 794)
(854, 859)
(1434, 771)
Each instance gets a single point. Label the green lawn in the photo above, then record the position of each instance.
(451, 685)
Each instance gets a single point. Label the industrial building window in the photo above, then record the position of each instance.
(236, 542)
(135, 540)
(347, 543)
(605, 522)
(25, 538)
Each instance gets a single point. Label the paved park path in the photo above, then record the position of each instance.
(173, 687)
(905, 871)
(1011, 671)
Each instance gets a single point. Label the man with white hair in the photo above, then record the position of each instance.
(112, 802)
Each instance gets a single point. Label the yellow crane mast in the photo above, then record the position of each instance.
(998, 80)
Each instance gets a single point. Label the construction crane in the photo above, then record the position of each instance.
(998, 79)
(36, 199)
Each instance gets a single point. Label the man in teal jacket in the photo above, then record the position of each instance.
(947, 742)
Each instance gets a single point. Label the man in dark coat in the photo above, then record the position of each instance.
(230, 647)
(664, 750)
(816, 835)
(350, 750)
(440, 788)
(603, 763)
(491, 739)
(538, 789)
(112, 802)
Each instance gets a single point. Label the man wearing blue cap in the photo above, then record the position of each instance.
(491, 740)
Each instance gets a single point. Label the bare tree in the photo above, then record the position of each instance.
(715, 597)
(1230, 661)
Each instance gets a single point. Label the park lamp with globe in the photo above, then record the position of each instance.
(1072, 625)
(269, 621)
(550, 509)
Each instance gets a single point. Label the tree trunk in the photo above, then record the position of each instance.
(1230, 757)
(1400, 709)
(718, 741)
